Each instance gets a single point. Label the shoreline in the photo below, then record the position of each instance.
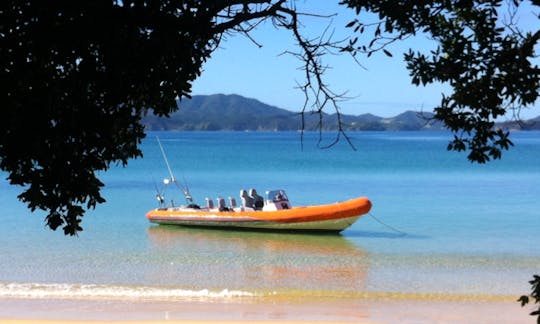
(299, 311)
(153, 322)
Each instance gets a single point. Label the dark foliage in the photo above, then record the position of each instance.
(482, 54)
(535, 294)
(76, 77)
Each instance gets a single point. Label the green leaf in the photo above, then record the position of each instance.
(524, 300)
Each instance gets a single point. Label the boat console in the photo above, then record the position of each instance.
(276, 200)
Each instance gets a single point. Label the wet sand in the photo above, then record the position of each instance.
(367, 310)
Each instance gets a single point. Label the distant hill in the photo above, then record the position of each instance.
(531, 124)
(237, 113)
(224, 112)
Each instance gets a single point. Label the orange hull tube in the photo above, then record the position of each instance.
(329, 217)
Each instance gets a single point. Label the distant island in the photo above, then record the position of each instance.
(237, 113)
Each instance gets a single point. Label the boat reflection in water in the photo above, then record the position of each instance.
(261, 262)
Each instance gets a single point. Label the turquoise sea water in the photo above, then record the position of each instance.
(470, 229)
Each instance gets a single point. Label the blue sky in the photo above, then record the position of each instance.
(381, 87)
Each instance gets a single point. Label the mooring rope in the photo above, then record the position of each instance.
(386, 225)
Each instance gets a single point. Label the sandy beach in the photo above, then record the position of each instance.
(144, 322)
(383, 310)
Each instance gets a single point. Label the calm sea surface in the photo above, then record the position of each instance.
(469, 229)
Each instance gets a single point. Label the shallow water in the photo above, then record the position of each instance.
(469, 229)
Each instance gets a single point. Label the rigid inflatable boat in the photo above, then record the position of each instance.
(275, 214)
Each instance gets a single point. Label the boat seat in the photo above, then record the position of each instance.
(258, 201)
(247, 201)
(221, 204)
(232, 202)
(209, 203)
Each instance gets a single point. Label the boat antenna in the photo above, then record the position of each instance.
(185, 190)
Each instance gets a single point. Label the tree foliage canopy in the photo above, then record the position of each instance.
(481, 53)
(76, 77)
